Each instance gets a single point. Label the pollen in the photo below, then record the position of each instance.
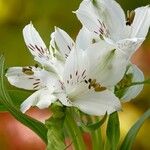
(27, 71)
(96, 86)
(130, 17)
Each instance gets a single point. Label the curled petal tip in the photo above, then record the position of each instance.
(56, 28)
(75, 12)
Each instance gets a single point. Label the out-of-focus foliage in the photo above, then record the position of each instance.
(45, 14)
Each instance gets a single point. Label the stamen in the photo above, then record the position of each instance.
(96, 86)
(99, 88)
(130, 17)
(89, 86)
(90, 80)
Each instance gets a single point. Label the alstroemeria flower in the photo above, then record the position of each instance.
(83, 78)
(89, 76)
(35, 78)
(107, 19)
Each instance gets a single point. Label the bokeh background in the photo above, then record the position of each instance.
(45, 14)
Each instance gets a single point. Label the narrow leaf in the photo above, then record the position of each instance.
(38, 127)
(131, 135)
(17, 96)
(113, 131)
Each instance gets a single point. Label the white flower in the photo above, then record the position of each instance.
(107, 19)
(88, 78)
(80, 77)
(35, 78)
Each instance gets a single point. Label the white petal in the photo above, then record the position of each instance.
(62, 42)
(35, 44)
(141, 22)
(56, 67)
(114, 17)
(42, 99)
(133, 91)
(76, 67)
(39, 50)
(88, 17)
(129, 46)
(98, 103)
(34, 79)
(85, 38)
(107, 65)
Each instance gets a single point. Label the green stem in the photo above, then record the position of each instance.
(106, 145)
(96, 138)
(74, 131)
(99, 137)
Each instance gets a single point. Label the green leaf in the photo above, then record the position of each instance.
(97, 125)
(73, 130)
(2, 107)
(131, 135)
(38, 127)
(113, 132)
(55, 128)
(17, 96)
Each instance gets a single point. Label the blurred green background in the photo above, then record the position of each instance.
(45, 14)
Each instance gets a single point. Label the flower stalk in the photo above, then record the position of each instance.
(74, 131)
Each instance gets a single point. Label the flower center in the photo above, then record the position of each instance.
(96, 86)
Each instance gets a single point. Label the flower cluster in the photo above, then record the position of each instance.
(93, 73)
